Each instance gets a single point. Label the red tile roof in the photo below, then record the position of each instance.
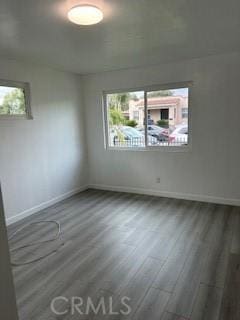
(160, 101)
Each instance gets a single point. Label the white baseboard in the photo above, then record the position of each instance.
(44, 205)
(152, 192)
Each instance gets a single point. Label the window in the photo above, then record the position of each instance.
(184, 113)
(14, 100)
(136, 115)
(147, 118)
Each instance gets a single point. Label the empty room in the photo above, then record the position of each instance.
(119, 160)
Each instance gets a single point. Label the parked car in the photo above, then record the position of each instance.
(180, 135)
(126, 136)
(161, 134)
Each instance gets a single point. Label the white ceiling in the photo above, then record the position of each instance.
(133, 33)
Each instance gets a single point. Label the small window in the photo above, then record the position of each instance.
(147, 118)
(14, 100)
(136, 115)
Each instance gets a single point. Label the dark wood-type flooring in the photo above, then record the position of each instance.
(175, 259)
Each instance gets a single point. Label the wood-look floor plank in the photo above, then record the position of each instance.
(218, 256)
(167, 278)
(131, 268)
(230, 309)
(182, 299)
(208, 303)
(235, 244)
(171, 316)
(152, 306)
(216, 267)
(169, 234)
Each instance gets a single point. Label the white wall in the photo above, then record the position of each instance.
(44, 158)
(210, 171)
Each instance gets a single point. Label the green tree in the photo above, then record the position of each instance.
(13, 102)
(116, 117)
(119, 101)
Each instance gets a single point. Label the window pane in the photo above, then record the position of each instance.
(168, 117)
(126, 119)
(12, 101)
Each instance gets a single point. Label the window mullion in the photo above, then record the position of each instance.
(146, 118)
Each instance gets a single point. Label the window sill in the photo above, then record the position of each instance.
(16, 117)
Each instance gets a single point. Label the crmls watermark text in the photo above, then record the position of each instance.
(76, 305)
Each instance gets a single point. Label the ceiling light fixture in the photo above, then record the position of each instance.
(85, 15)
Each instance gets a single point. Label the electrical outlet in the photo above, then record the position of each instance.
(158, 180)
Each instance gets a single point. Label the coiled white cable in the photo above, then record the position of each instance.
(57, 236)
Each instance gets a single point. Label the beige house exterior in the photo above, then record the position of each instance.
(171, 108)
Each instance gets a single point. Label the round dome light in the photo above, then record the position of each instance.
(85, 15)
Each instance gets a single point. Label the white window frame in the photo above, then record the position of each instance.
(146, 89)
(25, 86)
